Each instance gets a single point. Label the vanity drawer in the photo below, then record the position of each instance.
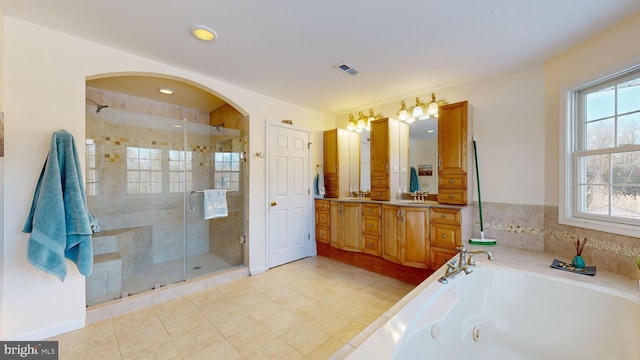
(380, 193)
(322, 234)
(456, 197)
(452, 182)
(370, 245)
(445, 216)
(322, 205)
(440, 257)
(379, 181)
(371, 225)
(445, 236)
(322, 218)
(374, 210)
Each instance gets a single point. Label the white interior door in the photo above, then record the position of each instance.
(288, 174)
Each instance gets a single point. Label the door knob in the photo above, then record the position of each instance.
(273, 203)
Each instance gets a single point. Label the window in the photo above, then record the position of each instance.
(180, 170)
(603, 154)
(144, 170)
(227, 170)
(92, 165)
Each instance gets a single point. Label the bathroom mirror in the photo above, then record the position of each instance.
(422, 155)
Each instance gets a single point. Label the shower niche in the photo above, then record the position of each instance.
(147, 162)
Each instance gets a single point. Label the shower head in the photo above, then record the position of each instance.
(217, 126)
(99, 107)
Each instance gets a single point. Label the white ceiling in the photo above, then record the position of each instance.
(287, 48)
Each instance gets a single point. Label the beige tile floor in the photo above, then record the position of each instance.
(306, 309)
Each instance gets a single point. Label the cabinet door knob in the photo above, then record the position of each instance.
(273, 203)
(370, 245)
(444, 216)
(444, 236)
(451, 181)
(451, 196)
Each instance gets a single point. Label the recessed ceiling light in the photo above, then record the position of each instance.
(166, 90)
(203, 33)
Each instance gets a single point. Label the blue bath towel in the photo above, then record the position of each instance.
(59, 220)
(413, 181)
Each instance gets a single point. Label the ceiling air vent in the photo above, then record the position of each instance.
(346, 69)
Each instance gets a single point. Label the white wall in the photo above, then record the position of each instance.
(45, 90)
(508, 121)
(2, 271)
(610, 51)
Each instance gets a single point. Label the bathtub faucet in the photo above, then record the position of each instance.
(470, 259)
(462, 264)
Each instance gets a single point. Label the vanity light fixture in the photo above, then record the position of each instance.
(166, 90)
(432, 110)
(418, 111)
(362, 122)
(351, 126)
(372, 117)
(403, 114)
(203, 33)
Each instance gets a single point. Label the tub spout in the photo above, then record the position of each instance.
(471, 261)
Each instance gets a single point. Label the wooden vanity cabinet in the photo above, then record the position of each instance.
(405, 238)
(341, 159)
(371, 228)
(455, 135)
(344, 217)
(389, 157)
(446, 234)
(322, 221)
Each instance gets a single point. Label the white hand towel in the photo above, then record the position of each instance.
(215, 204)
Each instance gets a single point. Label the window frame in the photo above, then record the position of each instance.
(570, 136)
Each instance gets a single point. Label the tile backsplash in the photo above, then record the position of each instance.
(536, 227)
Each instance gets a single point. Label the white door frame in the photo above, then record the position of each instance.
(309, 249)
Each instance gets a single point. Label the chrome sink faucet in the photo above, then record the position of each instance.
(463, 263)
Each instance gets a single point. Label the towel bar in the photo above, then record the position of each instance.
(191, 198)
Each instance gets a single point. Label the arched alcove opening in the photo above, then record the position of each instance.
(167, 182)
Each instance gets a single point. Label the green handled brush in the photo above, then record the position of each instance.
(481, 240)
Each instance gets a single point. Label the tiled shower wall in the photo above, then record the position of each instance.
(536, 227)
(134, 122)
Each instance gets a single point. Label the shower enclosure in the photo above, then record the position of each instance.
(147, 164)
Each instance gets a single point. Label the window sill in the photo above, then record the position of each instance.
(604, 226)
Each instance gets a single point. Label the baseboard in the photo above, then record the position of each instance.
(49, 332)
(257, 270)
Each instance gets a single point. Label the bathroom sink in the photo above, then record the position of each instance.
(419, 202)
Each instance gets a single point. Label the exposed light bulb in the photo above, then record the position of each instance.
(352, 123)
(362, 121)
(418, 110)
(432, 111)
(403, 114)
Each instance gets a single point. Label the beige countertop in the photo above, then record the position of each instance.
(405, 202)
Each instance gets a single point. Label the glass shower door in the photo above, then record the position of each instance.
(130, 193)
(214, 242)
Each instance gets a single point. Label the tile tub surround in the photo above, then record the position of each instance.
(536, 227)
(528, 260)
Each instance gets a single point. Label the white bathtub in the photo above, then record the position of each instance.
(502, 313)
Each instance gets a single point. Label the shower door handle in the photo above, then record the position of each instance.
(273, 203)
